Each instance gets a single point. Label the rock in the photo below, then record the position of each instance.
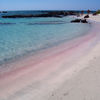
(94, 14)
(58, 14)
(84, 21)
(79, 20)
(4, 11)
(76, 21)
(87, 16)
(88, 11)
(29, 16)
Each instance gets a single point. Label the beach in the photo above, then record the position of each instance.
(85, 85)
(69, 71)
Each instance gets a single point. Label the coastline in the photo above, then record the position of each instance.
(84, 85)
(43, 79)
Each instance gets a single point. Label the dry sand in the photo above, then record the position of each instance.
(95, 18)
(84, 86)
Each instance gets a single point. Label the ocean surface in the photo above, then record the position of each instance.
(21, 36)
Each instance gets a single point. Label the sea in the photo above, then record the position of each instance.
(21, 36)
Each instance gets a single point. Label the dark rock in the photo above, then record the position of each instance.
(88, 11)
(94, 14)
(79, 20)
(17, 16)
(76, 21)
(72, 13)
(87, 16)
(84, 21)
(58, 14)
(29, 16)
(4, 11)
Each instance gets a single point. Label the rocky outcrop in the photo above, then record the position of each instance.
(29, 16)
(58, 14)
(4, 11)
(87, 16)
(84, 21)
(76, 21)
(79, 21)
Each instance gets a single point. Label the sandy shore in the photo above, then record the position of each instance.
(84, 86)
(67, 72)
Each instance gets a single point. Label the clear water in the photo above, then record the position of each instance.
(23, 35)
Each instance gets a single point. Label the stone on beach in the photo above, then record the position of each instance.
(79, 21)
(87, 16)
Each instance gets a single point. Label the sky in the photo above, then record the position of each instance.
(49, 4)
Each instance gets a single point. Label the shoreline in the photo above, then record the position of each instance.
(85, 84)
(40, 81)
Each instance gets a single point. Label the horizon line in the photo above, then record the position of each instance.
(49, 10)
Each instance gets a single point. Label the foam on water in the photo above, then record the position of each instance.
(24, 35)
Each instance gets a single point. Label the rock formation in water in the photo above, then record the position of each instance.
(4, 11)
(58, 14)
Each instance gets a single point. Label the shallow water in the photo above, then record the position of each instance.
(23, 35)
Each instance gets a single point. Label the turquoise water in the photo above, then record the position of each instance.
(23, 35)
